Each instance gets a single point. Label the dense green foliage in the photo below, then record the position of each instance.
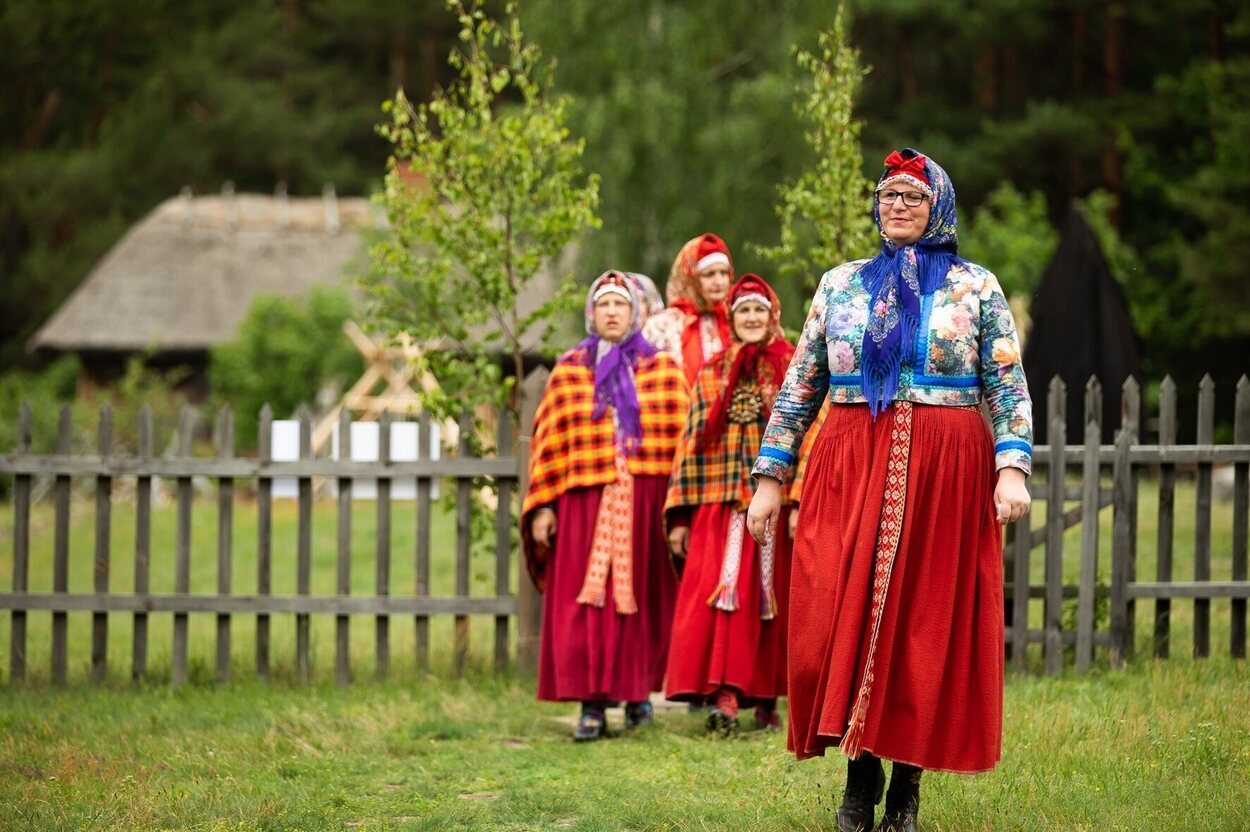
(688, 114)
(286, 350)
(484, 189)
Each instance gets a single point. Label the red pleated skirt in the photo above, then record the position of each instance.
(907, 649)
(591, 653)
(715, 648)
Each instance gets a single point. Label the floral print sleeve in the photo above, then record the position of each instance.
(1003, 381)
(803, 391)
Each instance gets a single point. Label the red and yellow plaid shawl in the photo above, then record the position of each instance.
(720, 471)
(570, 450)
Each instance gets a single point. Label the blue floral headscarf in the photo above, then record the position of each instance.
(897, 278)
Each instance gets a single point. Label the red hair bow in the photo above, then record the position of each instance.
(896, 164)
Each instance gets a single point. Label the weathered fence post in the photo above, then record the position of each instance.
(503, 539)
(343, 584)
(1167, 516)
(303, 549)
(182, 546)
(382, 573)
(60, 550)
(1130, 420)
(529, 600)
(1202, 518)
(21, 550)
(1053, 636)
(1241, 517)
(464, 533)
(143, 547)
(225, 539)
(1122, 476)
(421, 623)
(264, 538)
(1088, 582)
(100, 566)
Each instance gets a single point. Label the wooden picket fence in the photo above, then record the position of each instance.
(226, 470)
(1064, 504)
(1127, 460)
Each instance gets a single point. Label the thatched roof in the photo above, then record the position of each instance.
(183, 278)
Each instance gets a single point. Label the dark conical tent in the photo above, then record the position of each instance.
(1081, 328)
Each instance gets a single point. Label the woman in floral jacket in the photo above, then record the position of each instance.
(729, 625)
(896, 641)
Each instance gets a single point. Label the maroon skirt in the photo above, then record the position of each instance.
(715, 648)
(896, 608)
(591, 653)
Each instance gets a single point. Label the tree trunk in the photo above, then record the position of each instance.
(986, 79)
(1113, 70)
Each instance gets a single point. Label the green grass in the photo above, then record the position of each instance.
(1165, 745)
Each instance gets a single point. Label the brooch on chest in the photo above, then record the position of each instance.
(746, 405)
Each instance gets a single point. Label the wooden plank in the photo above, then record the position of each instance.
(1102, 638)
(382, 575)
(1093, 411)
(264, 539)
(1054, 556)
(1089, 549)
(246, 604)
(182, 556)
(1166, 521)
(303, 552)
(529, 600)
(100, 563)
(1202, 518)
(60, 552)
(1241, 518)
(1190, 589)
(1038, 591)
(1121, 474)
(1056, 403)
(225, 538)
(1130, 403)
(464, 532)
(343, 584)
(1020, 595)
(422, 553)
(143, 548)
(21, 550)
(503, 540)
(245, 468)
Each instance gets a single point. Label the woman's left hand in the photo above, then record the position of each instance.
(1011, 496)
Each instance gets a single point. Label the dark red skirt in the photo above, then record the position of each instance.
(591, 653)
(715, 648)
(934, 688)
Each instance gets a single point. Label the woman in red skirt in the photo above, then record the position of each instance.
(605, 434)
(728, 642)
(896, 642)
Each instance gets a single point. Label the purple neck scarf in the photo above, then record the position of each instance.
(614, 383)
(896, 280)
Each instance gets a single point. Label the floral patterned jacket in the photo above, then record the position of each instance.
(965, 349)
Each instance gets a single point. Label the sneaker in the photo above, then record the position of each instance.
(639, 714)
(592, 726)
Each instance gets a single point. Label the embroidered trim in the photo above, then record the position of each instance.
(777, 454)
(889, 533)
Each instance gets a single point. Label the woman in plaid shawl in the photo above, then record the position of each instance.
(695, 326)
(604, 437)
(729, 627)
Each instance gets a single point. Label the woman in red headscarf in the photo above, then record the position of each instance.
(729, 626)
(695, 326)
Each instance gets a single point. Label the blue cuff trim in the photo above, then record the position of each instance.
(777, 454)
(1013, 445)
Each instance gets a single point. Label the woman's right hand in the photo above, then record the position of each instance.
(543, 526)
(764, 509)
(678, 540)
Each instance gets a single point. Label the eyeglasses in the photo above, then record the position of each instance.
(912, 199)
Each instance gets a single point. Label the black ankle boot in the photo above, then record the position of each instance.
(865, 783)
(902, 801)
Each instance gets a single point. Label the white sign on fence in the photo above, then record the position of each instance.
(405, 447)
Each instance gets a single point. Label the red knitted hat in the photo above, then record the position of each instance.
(710, 252)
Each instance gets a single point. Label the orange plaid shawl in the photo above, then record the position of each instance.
(569, 450)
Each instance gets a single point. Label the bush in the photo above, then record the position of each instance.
(286, 350)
